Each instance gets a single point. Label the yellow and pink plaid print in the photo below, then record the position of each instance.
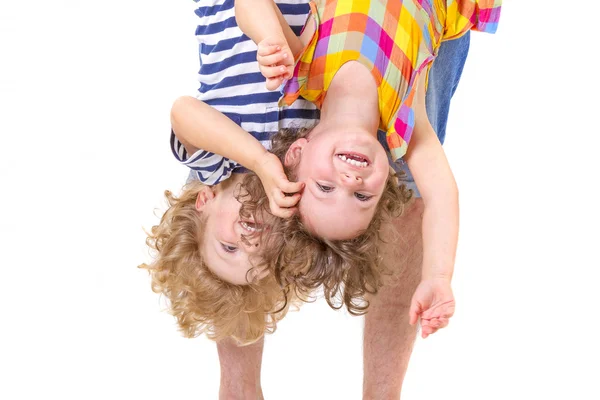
(395, 39)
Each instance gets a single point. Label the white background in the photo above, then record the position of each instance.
(85, 93)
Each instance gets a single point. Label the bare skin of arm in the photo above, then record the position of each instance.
(261, 19)
(278, 46)
(199, 126)
(293, 41)
(431, 171)
(433, 302)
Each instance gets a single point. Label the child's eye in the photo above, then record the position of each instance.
(362, 197)
(228, 248)
(324, 188)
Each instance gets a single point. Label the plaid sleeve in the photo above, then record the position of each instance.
(209, 168)
(297, 85)
(464, 15)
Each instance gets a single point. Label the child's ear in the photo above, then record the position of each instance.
(204, 196)
(292, 157)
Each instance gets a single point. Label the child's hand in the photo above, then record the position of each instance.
(283, 195)
(275, 60)
(433, 302)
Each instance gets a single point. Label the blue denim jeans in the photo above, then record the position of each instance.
(444, 76)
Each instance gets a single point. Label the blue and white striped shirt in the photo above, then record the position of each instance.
(231, 82)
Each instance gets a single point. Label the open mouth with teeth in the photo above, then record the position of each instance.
(353, 159)
(251, 227)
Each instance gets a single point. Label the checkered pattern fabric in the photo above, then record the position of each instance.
(395, 39)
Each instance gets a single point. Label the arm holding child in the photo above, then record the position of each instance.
(433, 300)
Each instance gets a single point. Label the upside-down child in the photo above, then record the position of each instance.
(364, 63)
(207, 260)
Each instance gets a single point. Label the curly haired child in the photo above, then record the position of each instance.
(364, 64)
(208, 290)
(206, 255)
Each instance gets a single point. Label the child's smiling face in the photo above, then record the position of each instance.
(223, 250)
(345, 175)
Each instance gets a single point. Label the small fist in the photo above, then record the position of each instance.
(275, 60)
(433, 302)
(283, 195)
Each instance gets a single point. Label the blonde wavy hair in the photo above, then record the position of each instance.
(346, 269)
(199, 299)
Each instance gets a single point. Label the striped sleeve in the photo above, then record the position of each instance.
(231, 82)
(209, 168)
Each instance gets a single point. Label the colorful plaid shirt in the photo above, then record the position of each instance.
(395, 39)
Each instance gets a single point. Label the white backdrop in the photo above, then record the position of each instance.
(85, 93)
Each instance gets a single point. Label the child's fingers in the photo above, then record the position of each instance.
(433, 323)
(415, 310)
(431, 313)
(431, 331)
(427, 330)
(268, 49)
(432, 326)
(282, 212)
(287, 201)
(274, 59)
(290, 187)
(290, 71)
(273, 71)
(442, 323)
(274, 83)
(445, 310)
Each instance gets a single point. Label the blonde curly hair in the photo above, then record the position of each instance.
(199, 299)
(346, 269)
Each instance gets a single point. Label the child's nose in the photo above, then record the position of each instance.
(351, 180)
